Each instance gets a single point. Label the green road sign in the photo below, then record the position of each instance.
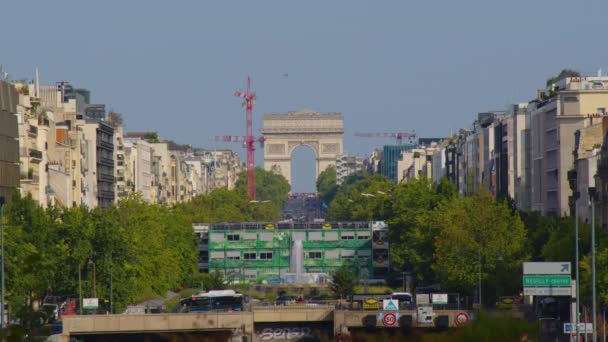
(547, 280)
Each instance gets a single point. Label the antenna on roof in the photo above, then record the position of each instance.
(37, 85)
(3, 74)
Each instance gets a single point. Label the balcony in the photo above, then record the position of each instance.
(602, 169)
(105, 161)
(35, 156)
(29, 178)
(32, 131)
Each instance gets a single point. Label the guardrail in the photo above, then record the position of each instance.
(288, 307)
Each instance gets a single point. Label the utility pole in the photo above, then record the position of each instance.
(578, 309)
(593, 195)
(111, 287)
(479, 258)
(2, 232)
(80, 288)
(94, 278)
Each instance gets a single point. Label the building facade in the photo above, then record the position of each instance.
(9, 143)
(267, 251)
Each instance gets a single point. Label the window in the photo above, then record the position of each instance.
(314, 255)
(332, 254)
(601, 111)
(249, 236)
(348, 237)
(348, 254)
(216, 237)
(331, 236)
(314, 236)
(233, 255)
(266, 236)
(216, 255)
(233, 237)
(570, 99)
(363, 237)
(266, 255)
(249, 256)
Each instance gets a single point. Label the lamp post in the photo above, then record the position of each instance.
(479, 286)
(111, 285)
(80, 288)
(593, 196)
(2, 232)
(575, 196)
(91, 262)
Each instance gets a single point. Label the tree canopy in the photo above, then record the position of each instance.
(149, 249)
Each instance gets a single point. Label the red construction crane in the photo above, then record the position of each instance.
(399, 136)
(249, 100)
(237, 138)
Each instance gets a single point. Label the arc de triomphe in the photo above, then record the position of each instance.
(322, 132)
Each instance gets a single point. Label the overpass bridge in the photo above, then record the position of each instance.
(258, 324)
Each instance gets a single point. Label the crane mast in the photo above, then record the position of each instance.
(249, 98)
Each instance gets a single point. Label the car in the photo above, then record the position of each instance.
(285, 300)
(505, 303)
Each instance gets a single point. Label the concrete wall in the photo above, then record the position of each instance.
(239, 322)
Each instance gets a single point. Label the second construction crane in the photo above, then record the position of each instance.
(400, 136)
(249, 100)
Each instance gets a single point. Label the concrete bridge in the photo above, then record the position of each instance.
(261, 323)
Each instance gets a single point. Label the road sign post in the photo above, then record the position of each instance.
(547, 279)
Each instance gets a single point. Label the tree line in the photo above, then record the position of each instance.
(145, 249)
(446, 239)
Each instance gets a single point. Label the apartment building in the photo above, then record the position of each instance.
(555, 115)
(417, 162)
(138, 176)
(119, 161)
(390, 158)
(9, 144)
(36, 126)
(582, 176)
(601, 182)
(347, 166)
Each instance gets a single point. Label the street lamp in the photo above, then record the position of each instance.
(91, 262)
(111, 285)
(575, 197)
(593, 196)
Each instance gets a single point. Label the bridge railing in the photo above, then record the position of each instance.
(297, 306)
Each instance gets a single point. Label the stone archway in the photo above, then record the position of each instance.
(322, 132)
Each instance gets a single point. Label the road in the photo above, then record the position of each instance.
(303, 207)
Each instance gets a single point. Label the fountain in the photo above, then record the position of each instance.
(296, 273)
(296, 264)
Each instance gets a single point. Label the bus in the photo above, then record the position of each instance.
(212, 301)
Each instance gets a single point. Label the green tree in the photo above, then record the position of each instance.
(326, 185)
(366, 199)
(152, 137)
(479, 235)
(214, 281)
(343, 281)
(414, 227)
(269, 187)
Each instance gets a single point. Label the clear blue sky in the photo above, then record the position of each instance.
(428, 66)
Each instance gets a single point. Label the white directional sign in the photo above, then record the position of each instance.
(583, 328)
(547, 268)
(439, 298)
(90, 303)
(547, 291)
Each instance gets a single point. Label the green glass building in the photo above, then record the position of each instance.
(266, 252)
(391, 154)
